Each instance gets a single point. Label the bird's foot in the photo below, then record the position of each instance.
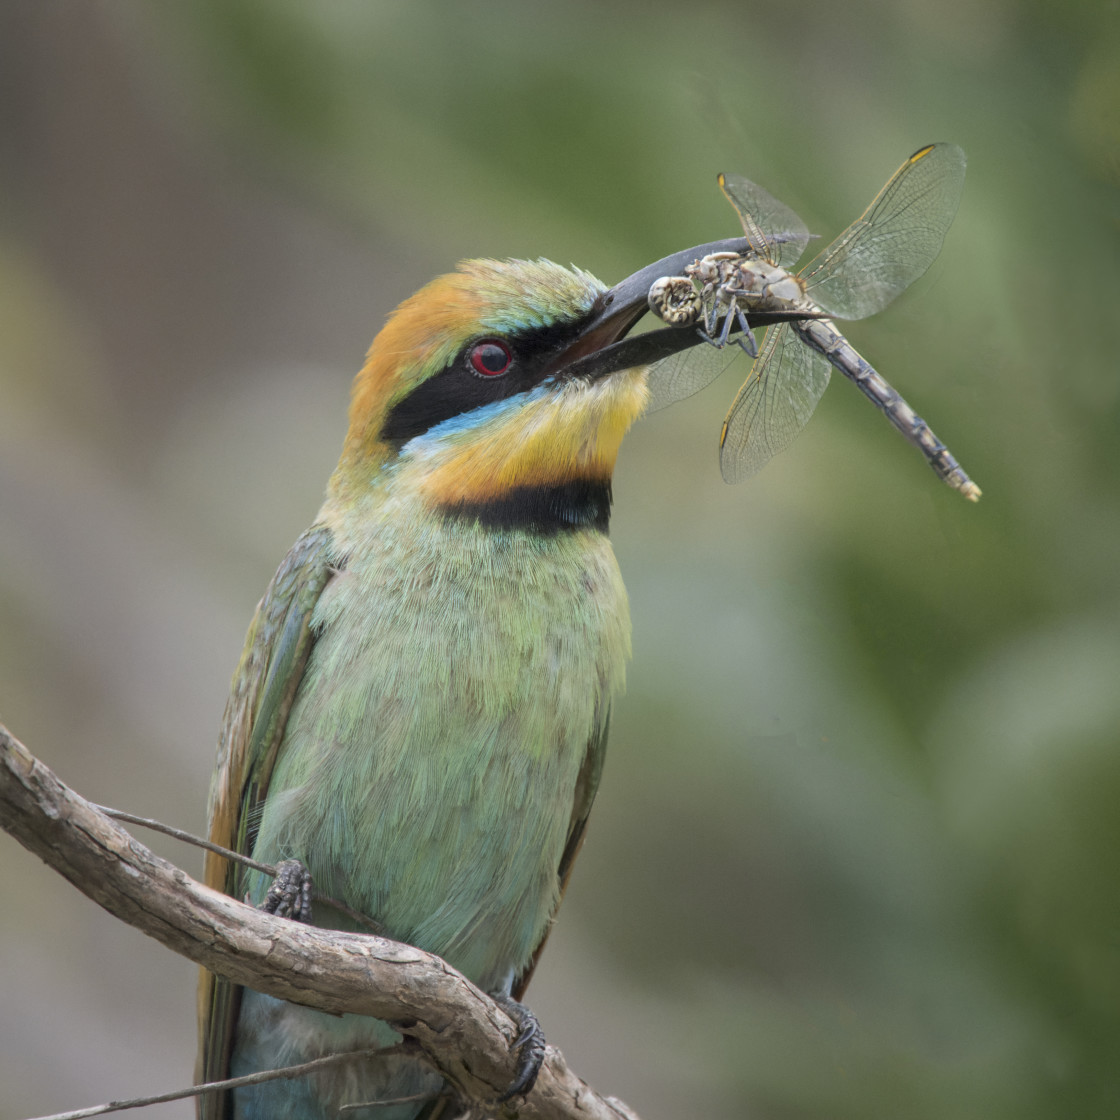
(290, 893)
(529, 1045)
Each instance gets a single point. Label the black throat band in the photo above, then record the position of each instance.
(563, 508)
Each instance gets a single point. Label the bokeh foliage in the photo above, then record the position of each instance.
(857, 852)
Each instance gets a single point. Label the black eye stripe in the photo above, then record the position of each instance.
(460, 388)
(453, 391)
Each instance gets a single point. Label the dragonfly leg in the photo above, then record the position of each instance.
(746, 339)
(711, 316)
(707, 336)
(728, 322)
(706, 329)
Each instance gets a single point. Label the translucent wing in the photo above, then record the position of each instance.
(775, 232)
(688, 371)
(773, 405)
(895, 239)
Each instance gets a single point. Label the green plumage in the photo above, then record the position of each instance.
(431, 756)
(442, 750)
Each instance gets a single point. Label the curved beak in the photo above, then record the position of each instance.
(602, 347)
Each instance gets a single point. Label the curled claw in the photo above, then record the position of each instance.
(529, 1045)
(290, 893)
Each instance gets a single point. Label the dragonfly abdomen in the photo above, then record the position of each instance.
(822, 336)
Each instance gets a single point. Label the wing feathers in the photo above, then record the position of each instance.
(265, 685)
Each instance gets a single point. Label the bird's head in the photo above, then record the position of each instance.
(501, 391)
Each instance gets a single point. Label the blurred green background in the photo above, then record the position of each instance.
(857, 853)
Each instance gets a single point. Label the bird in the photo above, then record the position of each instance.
(420, 714)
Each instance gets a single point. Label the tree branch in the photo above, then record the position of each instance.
(464, 1034)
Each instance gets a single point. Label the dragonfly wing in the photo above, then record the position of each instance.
(773, 405)
(894, 240)
(775, 232)
(686, 372)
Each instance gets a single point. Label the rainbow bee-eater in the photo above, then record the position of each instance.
(420, 712)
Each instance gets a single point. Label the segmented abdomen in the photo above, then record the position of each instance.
(823, 337)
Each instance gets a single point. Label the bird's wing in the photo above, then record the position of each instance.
(587, 784)
(264, 687)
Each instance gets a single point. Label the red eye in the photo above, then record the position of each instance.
(490, 358)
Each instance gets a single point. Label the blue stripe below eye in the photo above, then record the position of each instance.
(476, 419)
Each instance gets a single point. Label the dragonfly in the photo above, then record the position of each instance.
(876, 258)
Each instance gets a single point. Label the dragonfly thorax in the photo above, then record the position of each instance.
(713, 269)
(717, 284)
(761, 284)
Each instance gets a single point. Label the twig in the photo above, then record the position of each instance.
(360, 1105)
(285, 1074)
(186, 837)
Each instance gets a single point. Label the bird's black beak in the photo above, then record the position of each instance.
(602, 347)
